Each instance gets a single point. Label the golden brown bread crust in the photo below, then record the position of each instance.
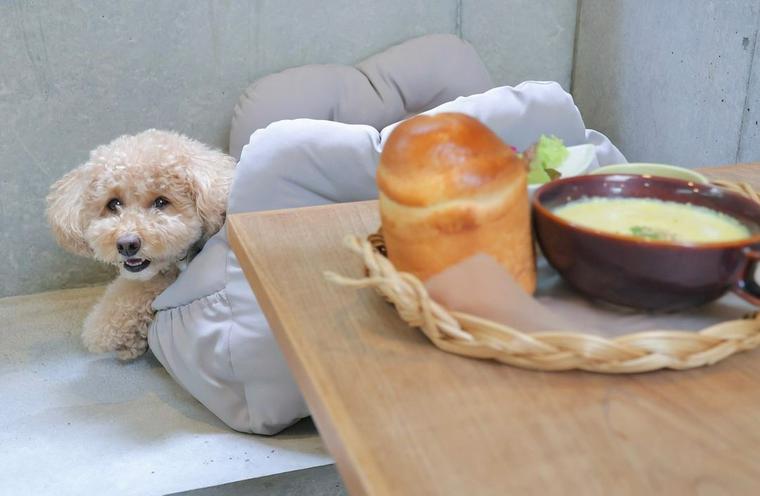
(432, 158)
(449, 188)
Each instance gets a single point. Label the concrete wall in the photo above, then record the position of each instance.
(77, 74)
(674, 81)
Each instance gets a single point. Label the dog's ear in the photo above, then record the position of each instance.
(211, 179)
(66, 212)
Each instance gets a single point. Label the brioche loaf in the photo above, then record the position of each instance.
(449, 188)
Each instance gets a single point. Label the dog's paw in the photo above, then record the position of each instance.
(128, 345)
(133, 350)
(96, 340)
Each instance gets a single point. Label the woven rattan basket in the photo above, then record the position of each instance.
(472, 336)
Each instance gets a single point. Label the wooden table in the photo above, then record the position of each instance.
(401, 417)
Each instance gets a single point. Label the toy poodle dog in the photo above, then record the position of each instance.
(145, 204)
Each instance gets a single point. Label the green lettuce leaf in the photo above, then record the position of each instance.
(549, 153)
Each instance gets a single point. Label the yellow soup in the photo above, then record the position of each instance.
(651, 219)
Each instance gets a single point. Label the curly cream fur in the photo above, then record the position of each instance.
(136, 170)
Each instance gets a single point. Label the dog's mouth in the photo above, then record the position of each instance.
(136, 264)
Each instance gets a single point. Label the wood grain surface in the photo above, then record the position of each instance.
(748, 173)
(402, 417)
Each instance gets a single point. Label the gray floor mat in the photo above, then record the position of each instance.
(76, 423)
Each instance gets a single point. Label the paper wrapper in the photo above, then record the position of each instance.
(480, 286)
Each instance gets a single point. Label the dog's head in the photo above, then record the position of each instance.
(141, 202)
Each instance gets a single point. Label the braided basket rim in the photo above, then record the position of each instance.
(472, 336)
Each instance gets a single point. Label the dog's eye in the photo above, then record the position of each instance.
(160, 202)
(113, 204)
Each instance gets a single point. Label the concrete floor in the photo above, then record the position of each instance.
(318, 481)
(76, 423)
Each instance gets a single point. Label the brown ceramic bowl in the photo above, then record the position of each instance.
(648, 275)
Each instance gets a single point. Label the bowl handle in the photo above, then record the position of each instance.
(746, 286)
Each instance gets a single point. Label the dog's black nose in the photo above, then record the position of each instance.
(128, 245)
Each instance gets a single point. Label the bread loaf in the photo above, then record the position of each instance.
(449, 188)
